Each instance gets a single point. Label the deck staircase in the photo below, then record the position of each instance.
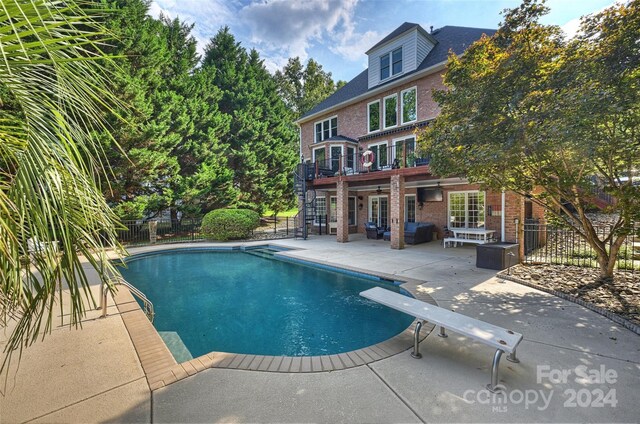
(306, 202)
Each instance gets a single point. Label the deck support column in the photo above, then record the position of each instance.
(342, 211)
(397, 212)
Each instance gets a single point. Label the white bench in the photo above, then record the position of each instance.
(34, 246)
(457, 240)
(503, 340)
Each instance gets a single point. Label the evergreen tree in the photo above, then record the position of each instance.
(262, 140)
(172, 144)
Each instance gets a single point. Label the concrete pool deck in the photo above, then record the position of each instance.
(95, 374)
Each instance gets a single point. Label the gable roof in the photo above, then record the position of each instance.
(449, 38)
(407, 26)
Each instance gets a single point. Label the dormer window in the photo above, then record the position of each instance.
(397, 61)
(384, 66)
(391, 62)
(399, 53)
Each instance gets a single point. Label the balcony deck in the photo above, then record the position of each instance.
(373, 177)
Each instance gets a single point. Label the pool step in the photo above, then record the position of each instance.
(261, 253)
(176, 346)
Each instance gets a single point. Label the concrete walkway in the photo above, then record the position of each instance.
(93, 375)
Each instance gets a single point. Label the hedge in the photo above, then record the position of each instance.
(229, 224)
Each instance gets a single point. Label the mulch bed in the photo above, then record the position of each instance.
(622, 296)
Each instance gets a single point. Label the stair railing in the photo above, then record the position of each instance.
(148, 306)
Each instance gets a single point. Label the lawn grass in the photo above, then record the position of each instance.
(284, 214)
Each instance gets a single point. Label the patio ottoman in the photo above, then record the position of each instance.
(497, 255)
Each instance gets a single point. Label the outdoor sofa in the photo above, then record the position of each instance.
(415, 232)
(373, 231)
(418, 232)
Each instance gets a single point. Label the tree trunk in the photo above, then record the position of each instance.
(607, 260)
(606, 263)
(174, 218)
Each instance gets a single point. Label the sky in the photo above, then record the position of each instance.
(337, 33)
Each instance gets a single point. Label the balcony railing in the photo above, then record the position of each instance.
(366, 161)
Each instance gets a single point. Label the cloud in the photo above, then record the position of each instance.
(352, 46)
(292, 27)
(572, 28)
(209, 16)
(278, 29)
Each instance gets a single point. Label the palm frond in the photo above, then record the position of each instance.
(54, 71)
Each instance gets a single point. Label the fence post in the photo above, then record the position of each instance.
(287, 226)
(275, 223)
(153, 231)
(520, 239)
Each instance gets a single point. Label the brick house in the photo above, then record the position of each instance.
(359, 161)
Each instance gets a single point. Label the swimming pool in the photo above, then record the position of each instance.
(253, 303)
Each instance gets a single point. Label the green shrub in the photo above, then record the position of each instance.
(229, 224)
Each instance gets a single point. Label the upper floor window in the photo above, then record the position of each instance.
(391, 63)
(409, 105)
(373, 111)
(396, 57)
(384, 66)
(326, 129)
(391, 111)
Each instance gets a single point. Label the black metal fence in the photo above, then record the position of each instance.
(564, 246)
(141, 232)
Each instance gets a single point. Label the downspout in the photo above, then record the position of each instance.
(300, 142)
(503, 232)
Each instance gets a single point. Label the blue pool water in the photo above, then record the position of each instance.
(233, 301)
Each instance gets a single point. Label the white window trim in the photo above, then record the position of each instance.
(401, 47)
(368, 121)
(370, 201)
(326, 209)
(384, 111)
(330, 158)
(331, 199)
(321, 122)
(355, 156)
(313, 153)
(315, 134)
(415, 87)
(330, 148)
(415, 212)
(395, 142)
(377, 158)
(380, 66)
(355, 203)
(391, 74)
(355, 211)
(466, 206)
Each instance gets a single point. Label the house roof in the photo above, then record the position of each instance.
(449, 38)
(407, 26)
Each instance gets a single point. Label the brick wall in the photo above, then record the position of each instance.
(437, 212)
(352, 120)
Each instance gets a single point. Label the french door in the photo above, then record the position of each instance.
(379, 210)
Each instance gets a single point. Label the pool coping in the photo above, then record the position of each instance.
(161, 369)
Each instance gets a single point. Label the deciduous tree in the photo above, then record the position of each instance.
(526, 109)
(303, 87)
